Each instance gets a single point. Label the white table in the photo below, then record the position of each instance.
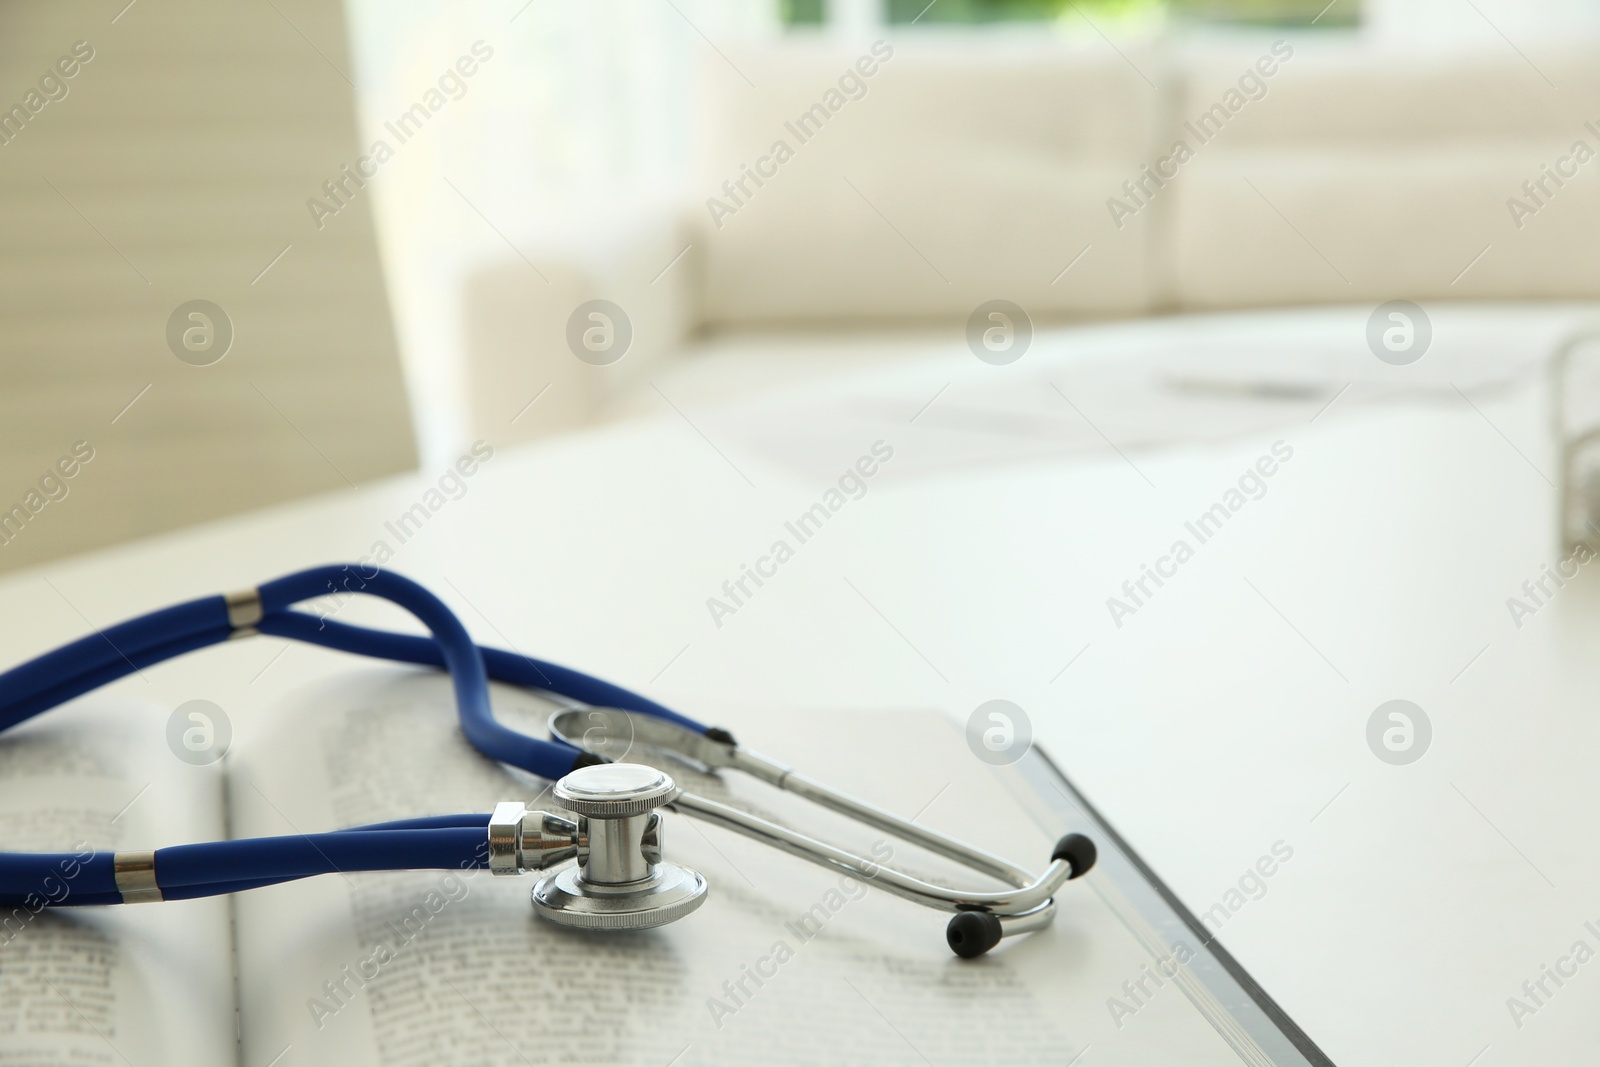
(1226, 715)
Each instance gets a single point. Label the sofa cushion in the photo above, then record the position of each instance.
(944, 179)
(1360, 177)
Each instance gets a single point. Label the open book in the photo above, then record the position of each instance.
(786, 963)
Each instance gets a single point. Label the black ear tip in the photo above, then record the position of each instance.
(1078, 851)
(972, 933)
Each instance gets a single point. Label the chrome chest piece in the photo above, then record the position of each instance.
(620, 881)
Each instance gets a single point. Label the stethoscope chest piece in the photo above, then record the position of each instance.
(620, 881)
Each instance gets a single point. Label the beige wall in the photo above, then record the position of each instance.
(176, 167)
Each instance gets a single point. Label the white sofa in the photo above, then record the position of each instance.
(960, 172)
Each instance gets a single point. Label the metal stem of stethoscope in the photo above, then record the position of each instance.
(1032, 896)
(622, 881)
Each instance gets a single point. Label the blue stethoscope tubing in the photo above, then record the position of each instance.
(452, 842)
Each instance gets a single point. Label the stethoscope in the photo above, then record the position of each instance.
(610, 824)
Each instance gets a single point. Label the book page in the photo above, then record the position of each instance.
(786, 963)
(128, 984)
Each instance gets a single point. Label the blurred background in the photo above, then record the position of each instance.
(261, 250)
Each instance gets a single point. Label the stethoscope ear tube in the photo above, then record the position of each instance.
(182, 872)
(460, 655)
(119, 650)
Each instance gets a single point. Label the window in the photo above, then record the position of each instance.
(801, 12)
